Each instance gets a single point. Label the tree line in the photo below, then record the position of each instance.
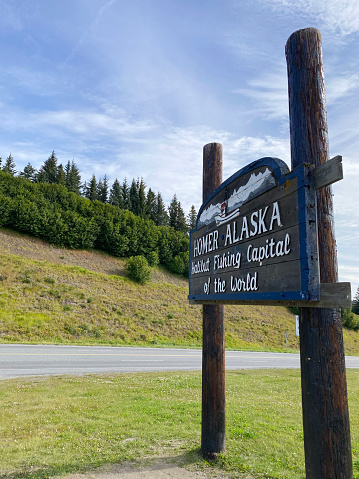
(52, 211)
(128, 196)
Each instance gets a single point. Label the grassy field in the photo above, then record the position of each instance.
(66, 424)
(55, 295)
(51, 426)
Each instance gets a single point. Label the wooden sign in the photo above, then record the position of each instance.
(256, 238)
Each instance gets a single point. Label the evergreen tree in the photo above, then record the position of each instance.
(151, 205)
(134, 197)
(125, 195)
(48, 172)
(142, 203)
(73, 177)
(67, 172)
(172, 211)
(61, 175)
(181, 224)
(355, 303)
(177, 218)
(161, 216)
(116, 194)
(102, 190)
(91, 189)
(29, 172)
(9, 166)
(192, 218)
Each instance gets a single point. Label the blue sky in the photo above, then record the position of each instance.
(137, 88)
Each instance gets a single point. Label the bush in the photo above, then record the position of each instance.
(51, 212)
(349, 319)
(152, 258)
(138, 269)
(179, 264)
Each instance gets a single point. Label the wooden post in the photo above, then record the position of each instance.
(213, 353)
(324, 390)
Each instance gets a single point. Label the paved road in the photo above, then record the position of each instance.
(35, 360)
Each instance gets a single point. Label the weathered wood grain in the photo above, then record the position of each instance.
(324, 391)
(213, 435)
(328, 173)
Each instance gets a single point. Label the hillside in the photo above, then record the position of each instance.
(51, 294)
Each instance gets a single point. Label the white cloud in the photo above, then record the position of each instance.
(269, 94)
(339, 86)
(338, 17)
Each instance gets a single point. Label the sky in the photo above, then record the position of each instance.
(137, 88)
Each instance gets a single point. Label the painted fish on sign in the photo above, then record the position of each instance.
(255, 238)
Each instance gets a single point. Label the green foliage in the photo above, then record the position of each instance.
(29, 172)
(90, 190)
(355, 305)
(138, 269)
(116, 194)
(72, 177)
(349, 319)
(177, 217)
(179, 264)
(51, 212)
(9, 166)
(49, 172)
(192, 218)
(152, 258)
(160, 212)
(102, 190)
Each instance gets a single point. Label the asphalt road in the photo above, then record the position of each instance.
(43, 360)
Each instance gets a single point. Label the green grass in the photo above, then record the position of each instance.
(54, 303)
(57, 295)
(66, 424)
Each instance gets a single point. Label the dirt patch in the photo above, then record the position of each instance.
(159, 469)
(93, 260)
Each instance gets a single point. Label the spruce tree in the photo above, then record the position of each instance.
(161, 216)
(9, 166)
(177, 218)
(134, 197)
(151, 205)
(173, 211)
(48, 172)
(125, 195)
(181, 224)
(116, 194)
(29, 172)
(192, 218)
(61, 175)
(102, 190)
(91, 189)
(142, 203)
(73, 177)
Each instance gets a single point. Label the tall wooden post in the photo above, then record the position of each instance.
(213, 353)
(324, 391)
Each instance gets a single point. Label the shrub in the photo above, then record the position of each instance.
(179, 264)
(152, 258)
(349, 319)
(138, 269)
